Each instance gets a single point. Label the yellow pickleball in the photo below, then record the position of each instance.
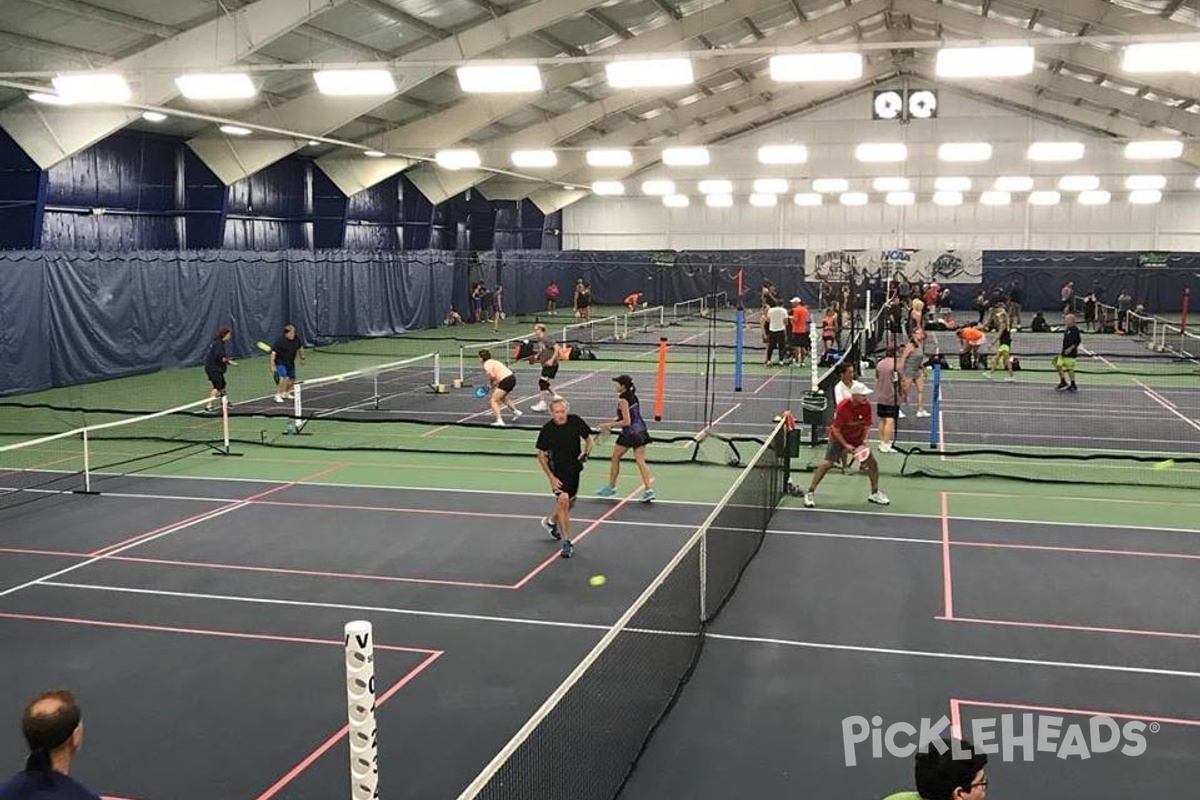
(597, 580)
(1170, 462)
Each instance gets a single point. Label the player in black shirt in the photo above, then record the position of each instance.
(53, 729)
(283, 361)
(563, 445)
(215, 362)
(1065, 363)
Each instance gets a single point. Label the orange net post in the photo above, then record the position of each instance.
(660, 389)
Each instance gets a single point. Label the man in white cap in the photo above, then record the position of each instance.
(848, 434)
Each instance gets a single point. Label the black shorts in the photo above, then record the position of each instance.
(549, 371)
(217, 379)
(633, 441)
(802, 340)
(570, 481)
(887, 412)
(508, 384)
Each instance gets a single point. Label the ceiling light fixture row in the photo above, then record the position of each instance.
(1092, 197)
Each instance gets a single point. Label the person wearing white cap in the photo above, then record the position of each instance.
(801, 339)
(848, 433)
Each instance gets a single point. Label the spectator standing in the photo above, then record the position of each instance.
(981, 305)
(887, 401)
(552, 298)
(777, 324)
(1124, 301)
(1067, 295)
(1015, 296)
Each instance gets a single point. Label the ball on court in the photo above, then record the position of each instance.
(597, 580)
(779, 418)
(1170, 462)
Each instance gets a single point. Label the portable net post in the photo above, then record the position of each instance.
(360, 711)
(660, 387)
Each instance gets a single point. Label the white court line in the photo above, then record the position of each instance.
(1001, 520)
(829, 646)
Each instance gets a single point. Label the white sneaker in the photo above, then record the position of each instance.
(902, 414)
(499, 423)
(922, 412)
(539, 406)
(809, 500)
(516, 414)
(879, 498)
(289, 396)
(278, 398)
(885, 447)
(986, 374)
(1010, 379)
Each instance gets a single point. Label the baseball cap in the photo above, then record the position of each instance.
(795, 300)
(858, 387)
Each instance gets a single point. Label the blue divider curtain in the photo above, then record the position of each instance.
(73, 317)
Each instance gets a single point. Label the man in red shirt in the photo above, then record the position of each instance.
(801, 340)
(848, 434)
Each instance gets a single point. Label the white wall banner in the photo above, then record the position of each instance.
(944, 266)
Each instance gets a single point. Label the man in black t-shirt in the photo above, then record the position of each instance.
(563, 445)
(283, 362)
(1065, 363)
(53, 728)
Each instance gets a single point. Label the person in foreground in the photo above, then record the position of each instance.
(503, 381)
(960, 773)
(633, 436)
(53, 728)
(1065, 363)
(848, 433)
(563, 446)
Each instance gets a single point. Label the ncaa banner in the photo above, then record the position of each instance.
(919, 266)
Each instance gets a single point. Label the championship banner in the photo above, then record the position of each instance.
(913, 266)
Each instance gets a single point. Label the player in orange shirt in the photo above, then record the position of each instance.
(970, 340)
(801, 340)
(633, 301)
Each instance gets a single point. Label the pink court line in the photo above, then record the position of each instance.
(340, 734)
(716, 421)
(266, 637)
(956, 705)
(1007, 623)
(767, 382)
(518, 401)
(551, 559)
(947, 586)
(201, 517)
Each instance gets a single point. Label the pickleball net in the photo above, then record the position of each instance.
(111, 446)
(611, 703)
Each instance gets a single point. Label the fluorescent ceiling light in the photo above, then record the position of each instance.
(1044, 198)
(45, 98)
(94, 87)
(891, 184)
(154, 116)
(676, 201)
(608, 188)
(715, 186)
(1056, 151)
(216, 86)
(569, 188)
(995, 198)
(1153, 151)
(534, 159)
(1145, 197)
(718, 200)
(782, 154)
(830, 185)
(965, 151)
(1014, 184)
(658, 188)
(648, 73)
(817, 67)
(763, 200)
(948, 198)
(374, 153)
(1094, 197)
(984, 62)
(609, 158)
(685, 156)
(354, 82)
(952, 184)
(1079, 183)
(900, 198)
(1198, 182)
(1162, 57)
(457, 159)
(235, 130)
(807, 199)
(500, 78)
(1136, 182)
(853, 198)
(770, 186)
(881, 152)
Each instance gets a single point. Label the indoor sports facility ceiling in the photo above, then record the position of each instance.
(1078, 79)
